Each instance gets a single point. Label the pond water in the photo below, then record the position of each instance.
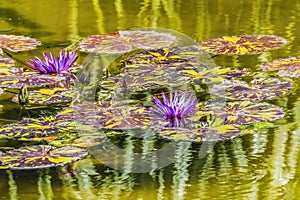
(260, 164)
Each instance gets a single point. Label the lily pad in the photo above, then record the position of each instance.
(41, 156)
(142, 81)
(106, 116)
(6, 62)
(243, 44)
(30, 80)
(286, 66)
(40, 127)
(213, 75)
(148, 39)
(17, 43)
(259, 89)
(224, 132)
(123, 41)
(106, 43)
(48, 96)
(244, 112)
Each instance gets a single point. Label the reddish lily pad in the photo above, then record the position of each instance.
(123, 41)
(243, 44)
(286, 66)
(244, 112)
(30, 80)
(220, 133)
(48, 96)
(6, 62)
(105, 116)
(41, 156)
(106, 43)
(17, 43)
(148, 39)
(259, 89)
(40, 127)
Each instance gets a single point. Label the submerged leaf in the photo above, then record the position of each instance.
(41, 156)
(285, 66)
(259, 89)
(243, 44)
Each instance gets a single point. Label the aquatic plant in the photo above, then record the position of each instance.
(243, 44)
(17, 43)
(177, 106)
(52, 64)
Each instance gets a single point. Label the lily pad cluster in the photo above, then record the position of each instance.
(145, 94)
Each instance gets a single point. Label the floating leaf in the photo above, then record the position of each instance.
(243, 44)
(106, 43)
(224, 132)
(4, 72)
(187, 55)
(148, 39)
(30, 80)
(17, 43)
(6, 62)
(123, 41)
(213, 75)
(286, 66)
(41, 156)
(244, 112)
(39, 127)
(106, 116)
(142, 81)
(259, 89)
(47, 96)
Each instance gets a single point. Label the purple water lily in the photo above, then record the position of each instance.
(52, 64)
(176, 106)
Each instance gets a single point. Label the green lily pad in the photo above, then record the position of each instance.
(285, 66)
(48, 96)
(30, 80)
(17, 43)
(218, 74)
(6, 62)
(105, 116)
(244, 112)
(220, 133)
(259, 89)
(40, 127)
(123, 41)
(41, 156)
(243, 44)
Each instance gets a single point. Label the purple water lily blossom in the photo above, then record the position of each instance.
(176, 106)
(52, 64)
